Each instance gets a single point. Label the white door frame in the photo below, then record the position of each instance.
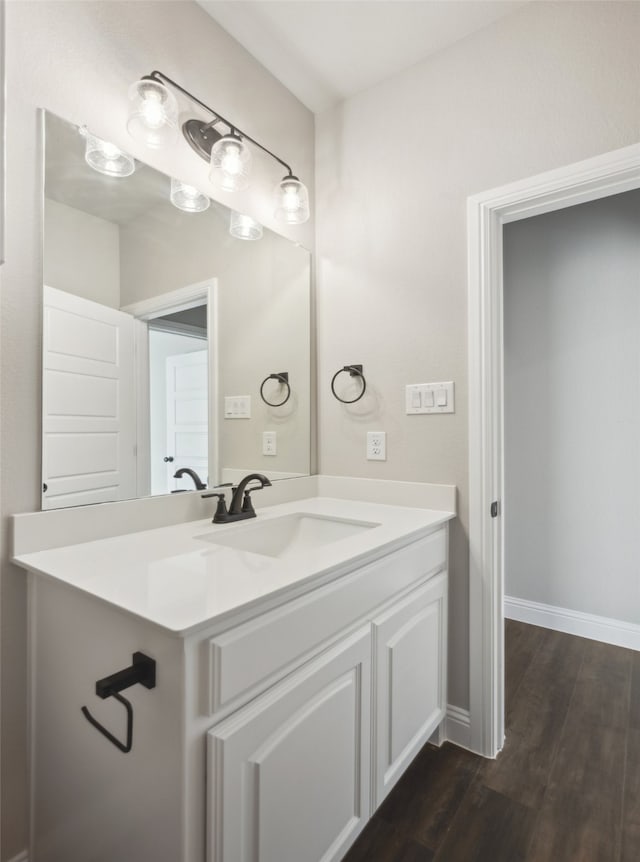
(608, 174)
(169, 303)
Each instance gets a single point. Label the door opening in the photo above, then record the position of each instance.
(595, 178)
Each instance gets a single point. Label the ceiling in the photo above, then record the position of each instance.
(327, 50)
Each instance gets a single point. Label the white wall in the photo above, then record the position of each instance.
(78, 59)
(547, 86)
(81, 254)
(572, 408)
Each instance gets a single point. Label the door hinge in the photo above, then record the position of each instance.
(495, 509)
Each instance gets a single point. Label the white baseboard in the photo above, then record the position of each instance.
(604, 629)
(458, 726)
(21, 857)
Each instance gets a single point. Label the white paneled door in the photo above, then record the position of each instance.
(88, 402)
(187, 413)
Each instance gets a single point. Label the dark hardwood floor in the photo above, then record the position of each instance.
(566, 786)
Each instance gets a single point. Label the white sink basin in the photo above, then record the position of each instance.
(287, 535)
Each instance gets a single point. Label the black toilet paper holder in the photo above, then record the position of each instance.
(142, 670)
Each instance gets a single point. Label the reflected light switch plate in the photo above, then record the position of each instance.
(237, 407)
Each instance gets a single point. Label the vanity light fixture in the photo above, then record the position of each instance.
(153, 121)
(188, 198)
(292, 201)
(106, 158)
(230, 163)
(244, 227)
(153, 116)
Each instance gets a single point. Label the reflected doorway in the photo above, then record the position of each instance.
(178, 399)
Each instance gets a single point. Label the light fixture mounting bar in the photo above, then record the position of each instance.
(201, 135)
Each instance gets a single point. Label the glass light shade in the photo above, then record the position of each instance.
(292, 201)
(153, 115)
(230, 163)
(244, 227)
(188, 198)
(106, 158)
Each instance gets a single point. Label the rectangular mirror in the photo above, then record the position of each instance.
(169, 345)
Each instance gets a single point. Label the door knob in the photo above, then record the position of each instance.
(168, 459)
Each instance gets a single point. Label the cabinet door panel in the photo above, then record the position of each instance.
(410, 669)
(289, 773)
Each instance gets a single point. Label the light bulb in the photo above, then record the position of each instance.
(153, 116)
(244, 227)
(230, 163)
(188, 198)
(153, 111)
(105, 157)
(291, 201)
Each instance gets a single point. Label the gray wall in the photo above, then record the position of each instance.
(572, 408)
(263, 316)
(81, 254)
(547, 86)
(78, 60)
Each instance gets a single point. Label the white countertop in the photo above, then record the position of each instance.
(174, 579)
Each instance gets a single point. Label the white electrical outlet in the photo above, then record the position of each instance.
(376, 446)
(269, 443)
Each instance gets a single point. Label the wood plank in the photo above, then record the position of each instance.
(488, 827)
(382, 843)
(601, 695)
(522, 642)
(581, 813)
(630, 851)
(535, 720)
(580, 816)
(427, 797)
(634, 705)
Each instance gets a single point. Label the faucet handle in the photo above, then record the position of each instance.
(221, 509)
(247, 504)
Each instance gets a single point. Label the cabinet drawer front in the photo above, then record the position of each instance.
(288, 775)
(247, 659)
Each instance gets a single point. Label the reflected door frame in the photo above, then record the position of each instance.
(148, 309)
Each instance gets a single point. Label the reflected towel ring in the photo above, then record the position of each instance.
(354, 371)
(282, 377)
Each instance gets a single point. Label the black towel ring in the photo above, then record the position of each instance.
(282, 377)
(353, 371)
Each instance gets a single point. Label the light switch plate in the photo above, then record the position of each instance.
(237, 407)
(429, 398)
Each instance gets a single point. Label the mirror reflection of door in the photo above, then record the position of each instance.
(88, 406)
(178, 396)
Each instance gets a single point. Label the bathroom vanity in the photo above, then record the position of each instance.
(300, 665)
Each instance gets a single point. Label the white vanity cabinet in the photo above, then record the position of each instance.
(288, 775)
(273, 732)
